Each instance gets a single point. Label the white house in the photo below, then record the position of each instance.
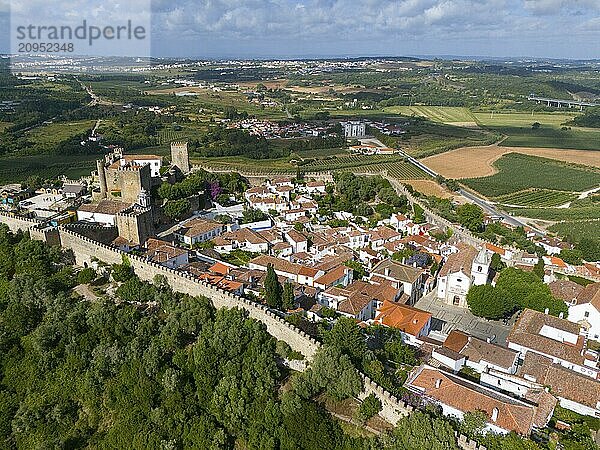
(165, 254)
(198, 230)
(297, 240)
(408, 279)
(154, 161)
(585, 311)
(554, 338)
(456, 396)
(104, 212)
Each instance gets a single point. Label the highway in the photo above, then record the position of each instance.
(483, 204)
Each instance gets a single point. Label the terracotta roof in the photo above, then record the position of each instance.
(565, 290)
(245, 235)
(406, 318)
(526, 332)
(463, 260)
(590, 294)
(161, 251)
(563, 382)
(463, 395)
(219, 268)
(477, 350)
(456, 340)
(130, 158)
(355, 304)
(495, 249)
(296, 236)
(284, 266)
(109, 207)
(332, 276)
(398, 271)
(196, 227)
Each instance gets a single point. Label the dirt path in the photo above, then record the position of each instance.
(469, 162)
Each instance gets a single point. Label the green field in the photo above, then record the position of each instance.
(16, 169)
(399, 170)
(536, 198)
(443, 114)
(558, 214)
(551, 133)
(425, 138)
(521, 119)
(54, 133)
(320, 153)
(517, 172)
(577, 230)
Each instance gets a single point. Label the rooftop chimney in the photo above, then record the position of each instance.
(438, 383)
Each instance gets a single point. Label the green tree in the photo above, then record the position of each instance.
(496, 264)
(470, 216)
(347, 336)
(539, 268)
(370, 406)
(273, 289)
(86, 276)
(334, 372)
(422, 431)
(177, 209)
(288, 302)
(489, 302)
(473, 423)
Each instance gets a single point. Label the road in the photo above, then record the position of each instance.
(482, 203)
(490, 209)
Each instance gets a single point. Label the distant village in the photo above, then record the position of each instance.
(346, 267)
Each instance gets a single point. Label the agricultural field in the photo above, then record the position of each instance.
(442, 114)
(554, 131)
(577, 230)
(17, 169)
(425, 138)
(395, 166)
(536, 198)
(320, 153)
(557, 214)
(399, 170)
(517, 172)
(470, 162)
(54, 133)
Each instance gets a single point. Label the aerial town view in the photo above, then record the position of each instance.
(300, 225)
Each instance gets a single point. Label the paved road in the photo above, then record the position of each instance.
(489, 208)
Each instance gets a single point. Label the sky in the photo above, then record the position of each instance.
(333, 28)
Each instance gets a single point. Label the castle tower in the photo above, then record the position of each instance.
(102, 178)
(180, 156)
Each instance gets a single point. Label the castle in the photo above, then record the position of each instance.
(180, 157)
(124, 177)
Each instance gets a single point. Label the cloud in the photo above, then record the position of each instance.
(338, 26)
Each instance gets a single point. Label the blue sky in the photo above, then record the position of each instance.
(311, 28)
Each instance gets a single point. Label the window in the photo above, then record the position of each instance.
(479, 269)
(586, 314)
